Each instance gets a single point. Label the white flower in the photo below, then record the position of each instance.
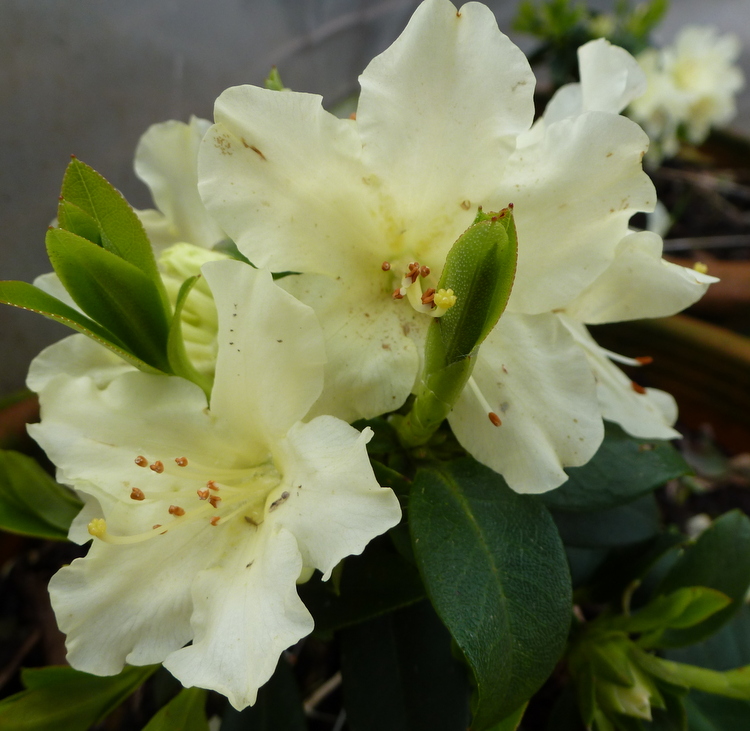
(241, 500)
(443, 126)
(691, 88)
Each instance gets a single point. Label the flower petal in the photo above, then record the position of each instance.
(535, 377)
(283, 177)
(574, 194)
(372, 364)
(610, 77)
(271, 353)
(638, 284)
(649, 415)
(440, 110)
(247, 612)
(336, 506)
(166, 159)
(131, 604)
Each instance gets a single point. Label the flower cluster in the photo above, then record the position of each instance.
(691, 87)
(219, 508)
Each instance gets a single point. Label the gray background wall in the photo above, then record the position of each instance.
(88, 77)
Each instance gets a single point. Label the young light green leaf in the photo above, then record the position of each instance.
(623, 469)
(31, 502)
(74, 219)
(59, 698)
(719, 559)
(399, 674)
(186, 712)
(28, 297)
(114, 293)
(495, 571)
(178, 357)
(120, 229)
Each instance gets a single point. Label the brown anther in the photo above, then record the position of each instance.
(397, 294)
(424, 271)
(141, 461)
(181, 461)
(645, 359)
(466, 205)
(353, 116)
(494, 418)
(176, 510)
(511, 206)
(137, 494)
(154, 527)
(413, 271)
(386, 266)
(214, 500)
(157, 467)
(215, 520)
(203, 493)
(211, 485)
(429, 296)
(637, 387)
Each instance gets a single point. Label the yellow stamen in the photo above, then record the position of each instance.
(700, 267)
(98, 527)
(445, 299)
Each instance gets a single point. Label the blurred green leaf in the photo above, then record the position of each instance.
(623, 469)
(113, 292)
(31, 502)
(719, 559)
(626, 524)
(707, 712)
(399, 674)
(28, 297)
(185, 712)
(278, 708)
(495, 571)
(63, 699)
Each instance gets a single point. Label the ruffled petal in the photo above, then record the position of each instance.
(574, 194)
(372, 361)
(639, 284)
(247, 612)
(336, 506)
(269, 370)
(130, 604)
(284, 178)
(610, 77)
(166, 159)
(440, 110)
(649, 415)
(536, 378)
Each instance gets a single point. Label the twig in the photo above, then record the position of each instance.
(8, 671)
(321, 692)
(735, 241)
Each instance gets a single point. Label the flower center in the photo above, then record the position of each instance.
(430, 302)
(196, 493)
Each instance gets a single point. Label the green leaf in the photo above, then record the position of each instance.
(77, 221)
(623, 469)
(495, 570)
(278, 708)
(186, 712)
(512, 722)
(114, 293)
(120, 229)
(632, 523)
(178, 357)
(372, 584)
(31, 502)
(713, 713)
(719, 559)
(28, 297)
(399, 674)
(58, 698)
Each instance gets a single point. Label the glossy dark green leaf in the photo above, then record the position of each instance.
(31, 502)
(377, 582)
(60, 698)
(399, 674)
(278, 708)
(719, 559)
(495, 571)
(623, 469)
(113, 292)
(565, 715)
(632, 523)
(28, 297)
(178, 357)
(120, 229)
(185, 712)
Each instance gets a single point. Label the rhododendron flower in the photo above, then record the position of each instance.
(691, 87)
(443, 126)
(205, 517)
